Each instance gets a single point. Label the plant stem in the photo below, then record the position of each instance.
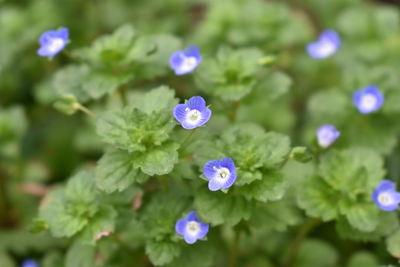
(304, 230)
(87, 111)
(187, 138)
(234, 251)
(233, 113)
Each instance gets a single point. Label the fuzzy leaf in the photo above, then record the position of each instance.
(162, 252)
(271, 187)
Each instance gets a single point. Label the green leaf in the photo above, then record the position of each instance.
(364, 259)
(38, 225)
(6, 260)
(159, 99)
(101, 225)
(79, 255)
(12, 123)
(271, 187)
(116, 171)
(230, 75)
(301, 154)
(393, 244)
(162, 252)
(157, 161)
(200, 255)
(70, 80)
(388, 222)
(318, 199)
(363, 216)
(314, 252)
(220, 208)
(278, 216)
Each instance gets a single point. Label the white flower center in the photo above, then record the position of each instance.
(385, 198)
(188, 63)
(193, 116)
(326, 48)
(56, 44)
(192, 227)
(368, 101)
(222, 173)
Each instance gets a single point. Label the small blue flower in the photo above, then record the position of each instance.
(52, 42)
(221, 173)
(385, 196)
(326, 45)
(193, 114)
(29, 263)
(368, 99)
(191, 228)
(326, 135)
(185, 61)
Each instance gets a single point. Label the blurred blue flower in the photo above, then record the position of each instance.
(191, 228)
(368, 99)
(52, 42)
(185, 61)
(385, 196)
(221, 173)
(193, 114)
(29, 263)
(326, 135)
(326, 45)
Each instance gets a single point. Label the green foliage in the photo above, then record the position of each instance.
(109, 188)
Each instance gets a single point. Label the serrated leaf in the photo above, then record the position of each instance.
(318, 199)
(157, 161)
(159, 99)
(79, 255)
(201, 255)
(116, 171)
(162, 252)
(220, 208)
(230, 75)
(271, 187)
(363, 216)
(388, 222)
(101, 225)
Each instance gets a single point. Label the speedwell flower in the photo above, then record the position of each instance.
(385, 196)
(191, 228)
(193, 114)
(220, 173)
(185, 61)
(326, 45)
(29, 263)
(52, 42)
(368, 99)
(326, 135)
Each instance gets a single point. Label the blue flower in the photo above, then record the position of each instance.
(29, 263)
(221, 173)
(52, 42)
(385, 196)
(185, 61)
(193, 114)
(326, 45)
(368, 99)
(326, 135)
(191, 228)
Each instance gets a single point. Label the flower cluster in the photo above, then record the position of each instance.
(385, 196)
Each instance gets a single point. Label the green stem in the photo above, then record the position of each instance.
(234, 251)
(87, 111)
(233, 113)
(304, 230)
(187, 138)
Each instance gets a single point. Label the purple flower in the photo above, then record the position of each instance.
(221, 173)
(185, 61)
(29, 263)
(193, 114)
(385, 196)
(52, 42)
(191, 228)
(326, 135)
(326, 45)
(368, 99)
